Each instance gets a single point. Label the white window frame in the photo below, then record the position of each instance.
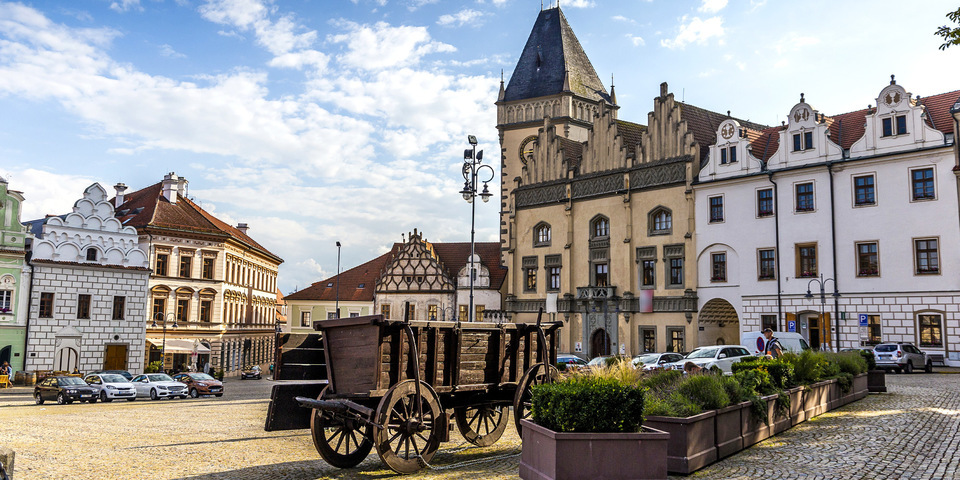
(796, 205)
(936, 190)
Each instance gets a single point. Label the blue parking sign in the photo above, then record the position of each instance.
(792, 326)
(863, 319)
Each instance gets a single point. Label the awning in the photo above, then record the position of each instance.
(179, 345)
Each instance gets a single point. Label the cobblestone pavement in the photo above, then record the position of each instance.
(911, 432)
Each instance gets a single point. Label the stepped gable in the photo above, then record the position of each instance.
(365, 274)
(551, 57)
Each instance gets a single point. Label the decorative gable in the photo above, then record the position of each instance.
(805, 138)
(667, 134)
(415, 268)
(898, 122)
(731, 154)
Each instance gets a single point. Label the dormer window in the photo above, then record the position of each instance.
(898, 121)
(728, 155)
(91, 254)
(802, 141)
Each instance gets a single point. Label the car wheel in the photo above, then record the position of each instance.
(153, 394)
(218, 395)
(194, 393)
(61, 400)
(104, 399)
(928, 368)
(39, 398)
(898, 370)
(92, 400)
(908, 368)
(183, 397)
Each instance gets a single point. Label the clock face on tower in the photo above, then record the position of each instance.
(526, 148)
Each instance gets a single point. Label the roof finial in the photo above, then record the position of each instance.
(728, 113)
(801, 97)
(893, 80)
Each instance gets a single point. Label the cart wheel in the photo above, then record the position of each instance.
(343, 443)
(408, 439)
(482, 425)
(537, 374)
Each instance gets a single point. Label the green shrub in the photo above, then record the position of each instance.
(780, 370)
(561, 366)
(870, 359)
(735, 391)
(673, 405)
(782, 404)
(758, 409)
(705, 391)
(662, 380)
(848, 362)
(588, 403)
(845, 380)
(807, 367)
(756, 381)
(152, 367)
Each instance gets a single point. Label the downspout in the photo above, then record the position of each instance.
(776, 226)
(26, 331)
(833, 240)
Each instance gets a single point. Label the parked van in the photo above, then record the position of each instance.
(790, 341)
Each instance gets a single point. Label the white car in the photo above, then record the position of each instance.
(720, 356)
(158, 385)
(111, 386)
(655, 361)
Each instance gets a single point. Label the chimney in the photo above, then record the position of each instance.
(182, 187)
(120, 188)
(242, 227)
(171, 186)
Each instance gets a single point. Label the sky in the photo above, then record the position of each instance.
(317, 121)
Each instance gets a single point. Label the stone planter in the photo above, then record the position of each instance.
(728, 433)
(860, 386)
(779, 422)
(796, 406)
(692, 442)
(877, 381)
(835, 395)
(752, 428)
(551, 455)
(823, 397)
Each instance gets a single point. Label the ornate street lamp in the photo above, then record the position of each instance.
(159, 316)
(823, 300)
(472, 166)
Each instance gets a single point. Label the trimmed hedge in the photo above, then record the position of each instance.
(585, 403)
(780, 370)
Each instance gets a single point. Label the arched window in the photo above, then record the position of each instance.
(541, 235)
(600, 227)
(660, 221)
(91, 254)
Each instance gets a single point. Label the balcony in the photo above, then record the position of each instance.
(596, 293)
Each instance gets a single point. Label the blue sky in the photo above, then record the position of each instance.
(326, 120)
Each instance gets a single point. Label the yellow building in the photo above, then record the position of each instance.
(597, 210)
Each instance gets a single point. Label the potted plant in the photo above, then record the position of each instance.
(689, 414)
(590, 426)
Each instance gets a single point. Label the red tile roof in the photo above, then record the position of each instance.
(455, 255)
(572, 150)
(704, 123)
(938, 109)
(631, 133)
(765, 143)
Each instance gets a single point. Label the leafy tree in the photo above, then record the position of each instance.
(951, 36)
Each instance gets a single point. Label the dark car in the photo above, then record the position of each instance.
(64, 390)
(200, 384)
(124, 373)
(251, 372)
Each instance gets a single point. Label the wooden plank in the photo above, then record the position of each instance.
(301, 355)
(294, 371)
(283, 412)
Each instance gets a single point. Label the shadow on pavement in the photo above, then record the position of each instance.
(302, 470)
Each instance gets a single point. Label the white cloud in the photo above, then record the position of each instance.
(708, 73)
(621, 18)
(578, 3)
(696, 31)
(416, 4)
(712, 6)
(636, 40)
(168, 51)
(467, 16)
(46, 192)
(380, 46)
(126, 5)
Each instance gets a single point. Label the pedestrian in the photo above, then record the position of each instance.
(691, 368)
(6, 369)
(206, 368)
(772, 349)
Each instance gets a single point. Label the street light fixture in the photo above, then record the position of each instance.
(338, 280)
(163, 346)
(472, 166)
(823, 300)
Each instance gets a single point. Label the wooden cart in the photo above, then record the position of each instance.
(393, 385)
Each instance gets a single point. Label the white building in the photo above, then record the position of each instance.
(88, 304)
(867, 200)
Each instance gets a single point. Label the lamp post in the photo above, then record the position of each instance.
(338, 280)
(472, 166)
(163, 346)
(823, 300)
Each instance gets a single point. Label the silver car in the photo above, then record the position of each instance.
(655, 361)
(902, 357)
(111, 386)
(158, 385)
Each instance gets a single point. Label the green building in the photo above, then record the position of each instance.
(14, 280)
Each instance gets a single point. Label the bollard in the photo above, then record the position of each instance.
(6, 463)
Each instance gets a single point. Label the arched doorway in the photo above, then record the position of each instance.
(600, 343)
(67, 360)
(718, 323)
(5, 354)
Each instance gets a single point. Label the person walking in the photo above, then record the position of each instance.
(772, 348)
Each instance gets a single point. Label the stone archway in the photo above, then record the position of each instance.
(599, 343)
(719, 323)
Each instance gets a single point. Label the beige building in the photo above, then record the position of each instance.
(210, 279)
(597, 210)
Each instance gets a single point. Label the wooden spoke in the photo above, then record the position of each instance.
(482, 425)
(536, 375)
(342, 442)
(398, 442)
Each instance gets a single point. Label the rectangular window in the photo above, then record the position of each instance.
(530, 285)
(733, 154)
(385, 311)
(808, 140)
(432, 313)
(118, 307)
(804, 197)
(716, 209)
(479, 313)
(931, 330)
(411, 311)
(807, 260)
(768, 321)
(768, 264)
(675, 339)
(554, 278)
(927, 256)
(183, 309)
(331, 315)
(6, 301)
(185, 264)
(161, 266)
(649, 339)
(868, 259)
(863, 191)
(922, 180)
(462, 313)
(83, 306)
(901, 124)
(205, 310)
(765, 202)
(207, 271)
(797, 143)
(719, 270)
(723, 156)
(873, 330)
(887, 127)
(46, 305)
(600, 274)
(676, 272)
(649, 273)
(305, 319)
(159, 308)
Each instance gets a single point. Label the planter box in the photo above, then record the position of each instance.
(833, 401)
(754, 429)
(551, 455)
(728, 433)
(796, 406)
(877, 381)
(860, 386)
(692, 442)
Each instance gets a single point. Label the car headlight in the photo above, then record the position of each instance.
(71, 391)
(201, 384)
(111, 387)
(162, 387)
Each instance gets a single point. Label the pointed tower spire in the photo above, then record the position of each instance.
(500, 96)
(613, 92)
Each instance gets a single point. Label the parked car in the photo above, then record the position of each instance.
(655, 361)
(755, 342)
(110, 386)
(720, 356)
(902, 357)
(125, 374)
(596, 362)
(199, 383)
(64, 390)
(158, 385)
(251, 372)
(572, 362)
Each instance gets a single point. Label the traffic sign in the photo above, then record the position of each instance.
(864, 321)
(792, 326)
